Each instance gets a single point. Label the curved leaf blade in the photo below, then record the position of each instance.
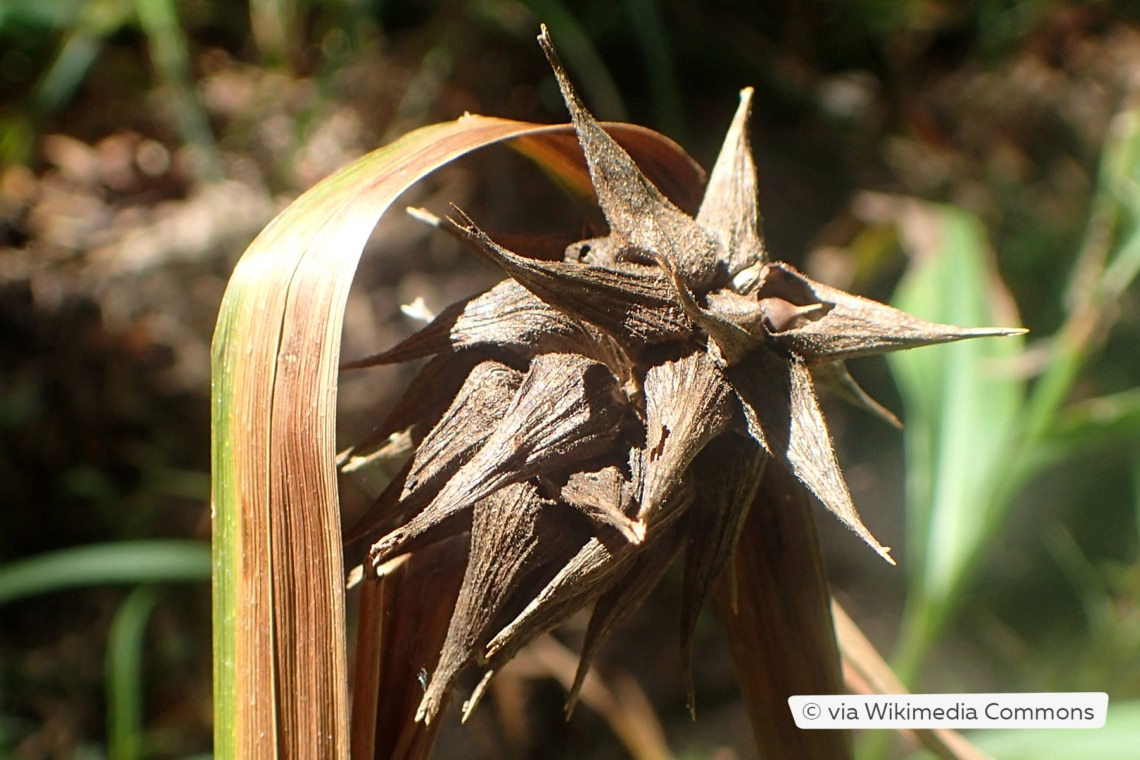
(280, 664)
(963, 402)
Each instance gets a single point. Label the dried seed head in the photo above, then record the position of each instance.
(587, 419)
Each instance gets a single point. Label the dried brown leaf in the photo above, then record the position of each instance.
(781, 637)
(729, 469)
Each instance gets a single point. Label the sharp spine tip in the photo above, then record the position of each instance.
(994, 332)
(637, 531)
(476, 695)
(423, 215)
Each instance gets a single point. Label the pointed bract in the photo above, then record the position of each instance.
(632, 302)
(507, 317)
(688, 403)
(623, 599)
(383, 515)
(640, 217)
(604, 495)
(483, 400)
(848, 326)
(502, 541)
(436, 384)
(728, 340)
(779, 399)
(596, 566)
(834, 377)
(730, 207)
(591, 571)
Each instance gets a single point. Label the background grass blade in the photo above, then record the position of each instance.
(866, 672)
(578, 50)
(648, 28)
(171, 58)
(99, 564)
(962, 402)
(124, 675)
(1103, 421)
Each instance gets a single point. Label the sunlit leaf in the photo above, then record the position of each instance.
(962, 400)
(99, 564)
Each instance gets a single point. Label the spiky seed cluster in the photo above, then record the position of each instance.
(588, 419)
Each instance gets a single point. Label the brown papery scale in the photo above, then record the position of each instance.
(613, 410)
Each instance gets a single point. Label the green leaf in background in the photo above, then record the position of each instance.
(126, 562)
(99, 564)
(124, 674)
(582, 57)
(1108, 420)
(37, 13)
(962, 404)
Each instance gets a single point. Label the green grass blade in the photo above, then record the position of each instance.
(963, 405)
(170, 55)
(124, 674)
(92, 23)
(152, 561)
(77, 54)
(1103, 421)
(648, 27)
(273, 24)
(577, 49)
(51, 14)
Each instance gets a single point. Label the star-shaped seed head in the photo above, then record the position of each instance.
(587, 420)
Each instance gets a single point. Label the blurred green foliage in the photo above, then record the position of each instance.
(75, 33)
(136, 562)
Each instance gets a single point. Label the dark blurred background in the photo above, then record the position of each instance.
(144, 144)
